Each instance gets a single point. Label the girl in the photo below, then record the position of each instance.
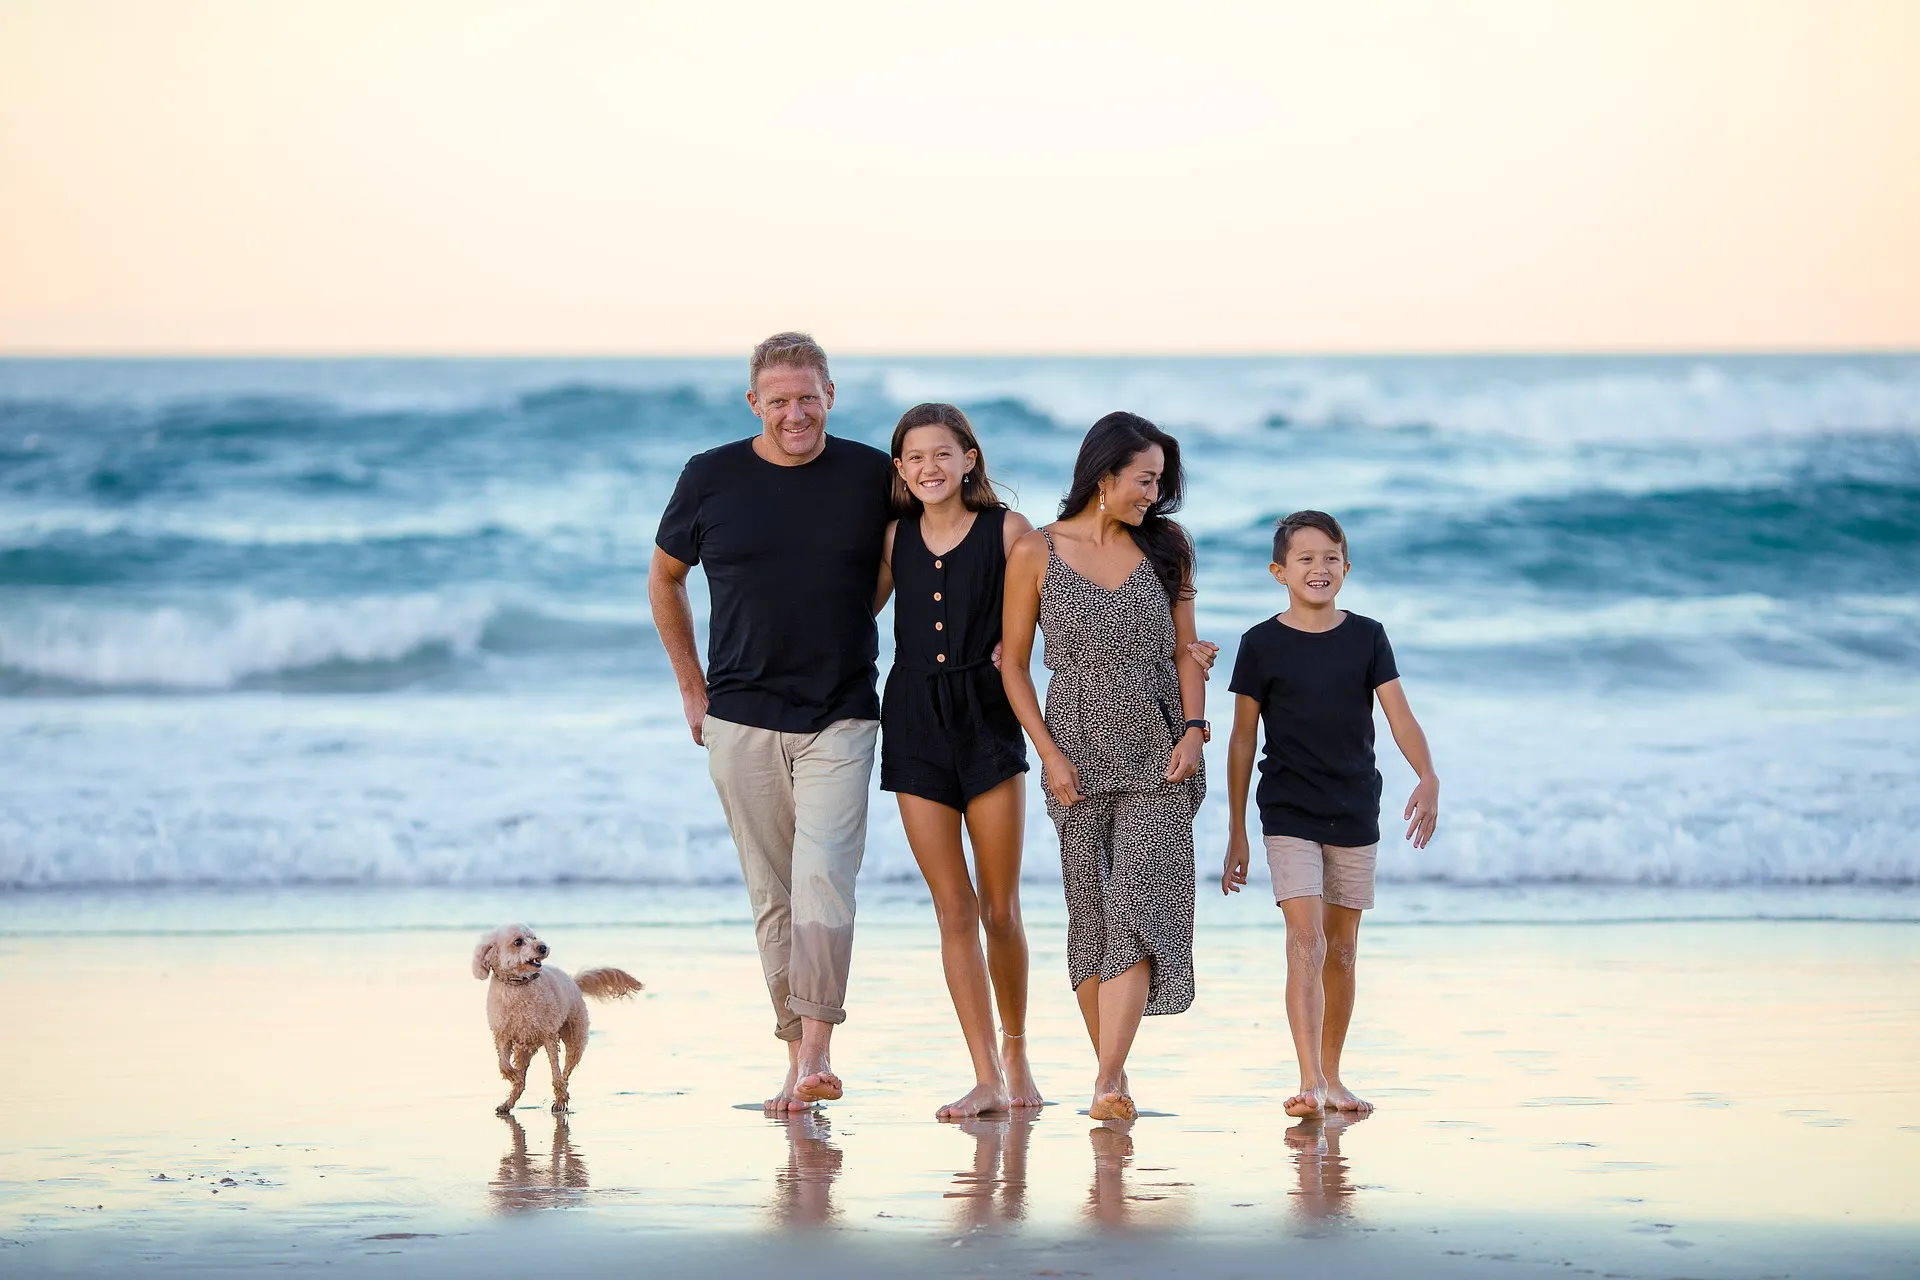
(950, 746)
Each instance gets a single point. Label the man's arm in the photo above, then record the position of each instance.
(1423, 806)
(1240, 752)
(673, 619)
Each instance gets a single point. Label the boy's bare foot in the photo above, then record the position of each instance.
(1341, 1098)
(981, 1100)
(1022, 1092)
(1112, 1105)
(1307, 1102)
(816, 1083)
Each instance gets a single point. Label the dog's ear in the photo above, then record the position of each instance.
(483, 958)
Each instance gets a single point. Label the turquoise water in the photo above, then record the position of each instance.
(270, 623)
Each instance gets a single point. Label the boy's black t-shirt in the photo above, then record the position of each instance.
(1315, 690)
(792, 556)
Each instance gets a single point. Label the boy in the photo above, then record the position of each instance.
(1311, 675)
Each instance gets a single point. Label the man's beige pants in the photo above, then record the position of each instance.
(796, 805)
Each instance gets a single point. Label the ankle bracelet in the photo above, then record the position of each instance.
(1011, 1036)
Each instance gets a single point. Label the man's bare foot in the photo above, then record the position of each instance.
(1341, 1098)
(787, 1101)
(1022, 1092)
(1307, 1102)
(816, 1083)
(981, 1100)
(1112, 1105)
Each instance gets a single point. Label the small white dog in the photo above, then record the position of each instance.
(531, 1006)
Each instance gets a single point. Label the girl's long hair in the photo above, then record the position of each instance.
(1112, 443)
(976, 491)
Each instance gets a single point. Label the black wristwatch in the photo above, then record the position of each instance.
(1206, 730)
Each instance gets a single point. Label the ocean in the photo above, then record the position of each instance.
(268, 624)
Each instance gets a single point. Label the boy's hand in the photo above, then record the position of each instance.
(1233, 872)
(1423, 812)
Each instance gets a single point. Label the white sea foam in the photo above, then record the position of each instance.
(221, 643)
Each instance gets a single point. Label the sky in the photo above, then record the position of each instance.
(1087, 176)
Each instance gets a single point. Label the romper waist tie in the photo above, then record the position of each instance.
(945, 710)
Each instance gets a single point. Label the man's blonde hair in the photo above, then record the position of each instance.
(794, 350)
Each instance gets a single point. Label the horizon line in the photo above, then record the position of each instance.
(1302, 353)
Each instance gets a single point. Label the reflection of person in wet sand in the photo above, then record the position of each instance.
(527, 1182)
(1322, 1169)
(803, 1187)
(1112, 1152)
(994, 1189)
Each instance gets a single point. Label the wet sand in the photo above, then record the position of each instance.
(1637, 1099)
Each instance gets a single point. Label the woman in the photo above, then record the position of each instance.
(950, 746)
(1111, 586)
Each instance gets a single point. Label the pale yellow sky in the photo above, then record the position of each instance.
(1097, 175)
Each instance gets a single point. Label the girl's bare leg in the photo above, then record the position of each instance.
(996, 823)
(933, 831)
(1306, 1001)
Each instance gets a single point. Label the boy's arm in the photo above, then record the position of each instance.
(1423, 806)
(1240, 750)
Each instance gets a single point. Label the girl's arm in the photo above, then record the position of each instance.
(1185, 761)
(1423, 806)
(1020, 614)
(884, 587)
(1240, 752)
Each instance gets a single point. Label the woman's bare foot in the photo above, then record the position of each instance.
(1112, 1105)
(1307, 1102)
(1022, 1092)
(815, 1083)
(1341, 1098)
(981, 1100)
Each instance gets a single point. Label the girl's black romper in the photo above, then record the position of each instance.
(947, 732)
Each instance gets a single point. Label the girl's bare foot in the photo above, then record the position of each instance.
(1307, 1102)
(1021, 1090)
(1341, 1098)
(981, 1100)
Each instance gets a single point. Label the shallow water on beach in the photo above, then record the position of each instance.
(197, 1097)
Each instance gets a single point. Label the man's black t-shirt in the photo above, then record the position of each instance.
(792, 556)
(1315, 690)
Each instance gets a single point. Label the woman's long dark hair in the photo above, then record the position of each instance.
(976, 491)
(1112, 443)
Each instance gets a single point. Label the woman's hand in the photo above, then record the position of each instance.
(1186, 757)
(1204, 652)
(1061, 777)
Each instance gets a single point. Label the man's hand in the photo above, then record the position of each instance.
(1423, 811)
(1233, 872)
(694, 703)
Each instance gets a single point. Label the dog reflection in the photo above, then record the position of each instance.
(1326, 1185)
(994, 1189)
(803, 1187)
(527, 1182)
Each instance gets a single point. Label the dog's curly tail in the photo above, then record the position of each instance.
(607, 984)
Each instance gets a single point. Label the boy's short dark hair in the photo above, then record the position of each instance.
(1284, 531)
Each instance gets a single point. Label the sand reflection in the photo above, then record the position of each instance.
(1326, 1183)
(526, 1182)
(803, 1186)
(993, 1190)
(1125, 1193)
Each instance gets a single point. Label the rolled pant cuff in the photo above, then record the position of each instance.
(788, 1031)
(808, 1009)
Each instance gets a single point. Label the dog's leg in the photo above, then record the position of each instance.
(516, 1073)
(573, 1034)
(559, 1075)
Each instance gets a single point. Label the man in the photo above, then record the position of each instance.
(789, 525)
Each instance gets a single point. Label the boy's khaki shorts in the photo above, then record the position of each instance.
(1334, 873)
